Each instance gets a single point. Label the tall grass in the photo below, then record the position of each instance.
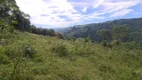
(28, 56)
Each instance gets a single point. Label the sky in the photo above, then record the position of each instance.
(65, 13)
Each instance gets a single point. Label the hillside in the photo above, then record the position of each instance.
(26, 56)
(91, 30)
(28, 52)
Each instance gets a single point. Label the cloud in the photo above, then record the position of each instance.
(84, 10)
(63, 13)
(121, 13)
(118, 6)
(48, 12)
(99, 2)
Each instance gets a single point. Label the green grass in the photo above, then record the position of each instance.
(28, 56)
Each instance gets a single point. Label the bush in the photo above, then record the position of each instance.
(60, 50)
(109, 46)
(115, 43)
(104, 43)
(132, 45)
(10, 29)
(82, 49)
(3, 42)
(80, 40)
(3, 59)
(141, 43)
(29, 51)
(11, 51)
(106, 68)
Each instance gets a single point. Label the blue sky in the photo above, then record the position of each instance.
(65, 13)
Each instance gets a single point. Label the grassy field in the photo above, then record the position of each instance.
(26, 56)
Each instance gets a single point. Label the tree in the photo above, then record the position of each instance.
(24, 23)
(2, 1)
(59, 35)
(120, 33)
(104, 34)
(141, 43)
(33, 29)
(51, 32)
(44, 32)
(9, 11)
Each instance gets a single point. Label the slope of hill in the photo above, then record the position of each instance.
(26, 56)
(90, 30)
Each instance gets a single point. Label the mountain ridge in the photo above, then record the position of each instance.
(82, 31)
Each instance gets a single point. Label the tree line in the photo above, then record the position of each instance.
(12, 18)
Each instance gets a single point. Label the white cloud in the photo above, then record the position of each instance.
(49, 12)
(84, 9)
(98, 3)
(121, 13)
(118, 6)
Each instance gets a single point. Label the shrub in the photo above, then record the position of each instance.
(141, 43)
(104, 43)
(82, 49)
(60, 50)
(82, 40)
(38, 59)
(105, 68)
(85, 78)
(23, 50)
(2, 50)
(3, 59)
(21, 70)
(115, 43)
(10, 29)
(3, 42)
(29, 51)
(109, 46)
(131, 45)
(11, 51)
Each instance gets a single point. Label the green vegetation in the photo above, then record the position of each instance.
(27, 56)
(12, 18)
(125, 30)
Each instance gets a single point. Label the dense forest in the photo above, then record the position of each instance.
(31, 53)
(122, 29)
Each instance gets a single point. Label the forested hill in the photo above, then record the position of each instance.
(132, 29)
